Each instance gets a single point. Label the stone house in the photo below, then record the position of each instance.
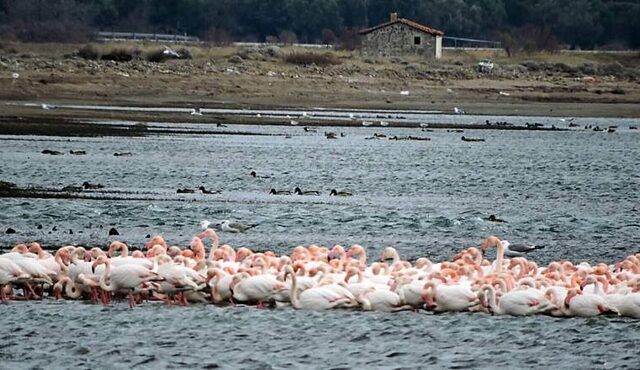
(401, 36)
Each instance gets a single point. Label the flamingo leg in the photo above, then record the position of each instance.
(94, 296)
(131, 300)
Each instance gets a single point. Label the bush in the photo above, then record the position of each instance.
(120, 54)
(308, 58)
(159, 56)
(89, 51)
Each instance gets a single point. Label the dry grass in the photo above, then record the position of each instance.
(627, 59)
(308, 58)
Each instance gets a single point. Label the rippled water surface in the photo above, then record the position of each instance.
(576, 192)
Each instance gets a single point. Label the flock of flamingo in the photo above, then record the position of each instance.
(319, 278)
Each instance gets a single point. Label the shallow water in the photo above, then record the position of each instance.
(575, 192)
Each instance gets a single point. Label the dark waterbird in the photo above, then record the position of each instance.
(185, 191)
(298, 191)
(336, 193)
(279, 192)
(88, 185)
(255, 175)
(493, 218)
(471, 140)
(205, 191)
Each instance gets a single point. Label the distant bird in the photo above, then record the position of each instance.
(493, 218)
(304, 114)
(206, 224)
(367, 123)
(196, 112)
(47, 106)
(457, 110)
(352, 116)
(330, 135)
(307, 129)
(88, 185)
(384, 123)
(205, 191)
(298, 191)
(169, 52)
(255, 175)
(294, 123)
(450, 91)
(336, 193)
(567, 119)
(15, 76)
(235, 227)
(518, 250)
(185, 191)
(279, 192)
(504, 93)
(424, 125)
(405, 93)
(258, 115)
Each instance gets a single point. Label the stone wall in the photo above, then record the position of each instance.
(396, 40)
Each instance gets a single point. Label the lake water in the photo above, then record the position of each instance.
(575, 192)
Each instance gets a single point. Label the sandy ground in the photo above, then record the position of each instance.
(211, 80)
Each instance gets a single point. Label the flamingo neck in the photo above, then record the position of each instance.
(103, 278)
(492, 299)
(295, 300)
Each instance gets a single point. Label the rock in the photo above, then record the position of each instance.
(77, 152)
(236, 59)
(52, 152)
(113, 231)
(10, 231)
(273, 51)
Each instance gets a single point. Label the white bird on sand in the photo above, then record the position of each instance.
(457, 110)
(196, 112)
(567, 119)
(47, 106)
(170, 52)
(294, 123)
(15, 75)
(404, 92)
(504, 93)
(367, 123)
(424, 125)
(304, 114)
(352, 116)
(384, 123)
(258, 115)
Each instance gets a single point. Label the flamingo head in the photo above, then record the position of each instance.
(101, 260)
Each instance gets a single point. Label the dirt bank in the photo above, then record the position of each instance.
(226, 77)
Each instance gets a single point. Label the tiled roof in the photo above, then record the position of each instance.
(412, 24)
